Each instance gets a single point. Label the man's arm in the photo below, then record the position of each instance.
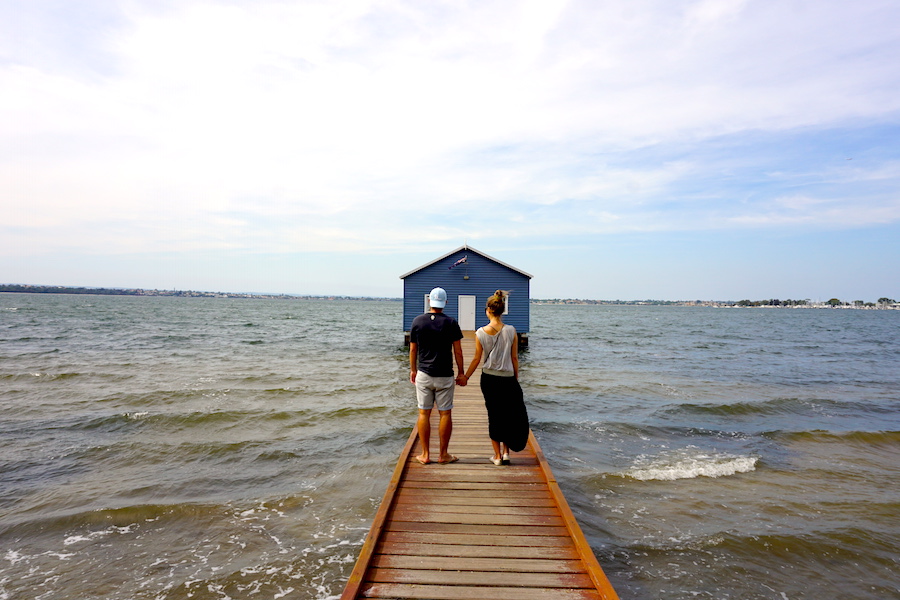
(413, 356)
(460, 369)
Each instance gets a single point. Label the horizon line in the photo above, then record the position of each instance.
(63, 289)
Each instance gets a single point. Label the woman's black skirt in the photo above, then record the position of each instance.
(507, 417)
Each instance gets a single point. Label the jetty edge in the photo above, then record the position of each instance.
(471, 530)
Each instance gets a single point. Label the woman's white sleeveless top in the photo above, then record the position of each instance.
(497, 351)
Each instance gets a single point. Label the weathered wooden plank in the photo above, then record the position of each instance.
(494, 495)
(396, 591)
(455, 472)
(494, 542)
(454, 563)
(476, 529)
(425, 494)
(401, 513)
(476, 458)
(473, 508)
(476, 551)
(447, 474)
(506, 488)
(472, 498)
(520, 579)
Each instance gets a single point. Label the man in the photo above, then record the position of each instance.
(434, 341)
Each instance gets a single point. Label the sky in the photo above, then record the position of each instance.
(614, 149)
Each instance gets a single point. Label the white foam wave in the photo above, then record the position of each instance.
(690, 466)
(75, 539)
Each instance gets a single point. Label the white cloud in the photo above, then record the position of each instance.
(329, 126)
(805, 211)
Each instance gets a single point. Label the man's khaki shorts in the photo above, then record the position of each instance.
(434, 390)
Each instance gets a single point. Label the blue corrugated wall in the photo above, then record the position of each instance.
(485, 277)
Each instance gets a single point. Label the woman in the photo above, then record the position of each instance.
(507, 418)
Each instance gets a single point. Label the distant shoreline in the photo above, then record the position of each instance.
(720, 304)
(834, 303)
(90, 291)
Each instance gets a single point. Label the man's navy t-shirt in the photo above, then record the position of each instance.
(435, 333)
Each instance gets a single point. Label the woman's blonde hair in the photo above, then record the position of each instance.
(497, 303)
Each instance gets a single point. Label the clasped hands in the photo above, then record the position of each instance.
(461, 379)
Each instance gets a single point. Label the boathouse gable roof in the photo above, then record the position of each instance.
(467, 248)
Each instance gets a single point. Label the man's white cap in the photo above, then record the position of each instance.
(438, 298)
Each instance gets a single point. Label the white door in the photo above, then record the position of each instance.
(466, 313)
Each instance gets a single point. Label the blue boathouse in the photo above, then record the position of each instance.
(470, 277)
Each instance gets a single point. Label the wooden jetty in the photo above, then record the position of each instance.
(471, 530)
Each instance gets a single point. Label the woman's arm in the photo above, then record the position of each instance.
(514, 355)
(475, 361)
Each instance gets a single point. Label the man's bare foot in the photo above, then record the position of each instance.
(423, 459)
(448, 459)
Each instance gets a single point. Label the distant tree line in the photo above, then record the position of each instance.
(835, 302)
(59, 289)
(773, 302)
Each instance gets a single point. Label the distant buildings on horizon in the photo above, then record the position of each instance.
(833, 303)
(60, 289)
(881, 304)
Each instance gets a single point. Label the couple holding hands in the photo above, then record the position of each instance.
(434, 343)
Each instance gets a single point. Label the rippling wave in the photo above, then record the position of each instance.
(781, 406)
(866, 439)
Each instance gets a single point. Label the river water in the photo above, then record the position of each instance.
(169, 448)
